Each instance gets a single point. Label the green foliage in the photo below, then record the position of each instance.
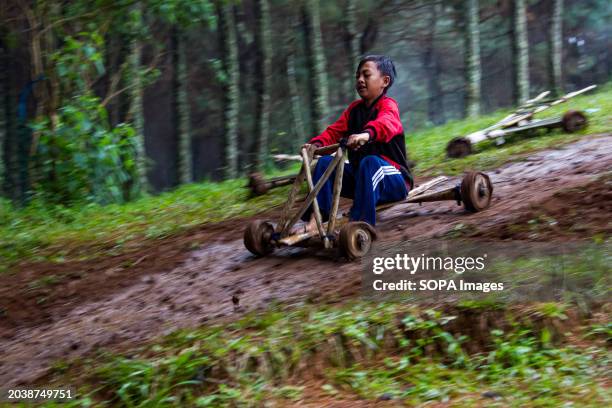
(80, 158)
(255, 359)
(220, 73)
(601, 330)
(554, 310)
(582, 275)
(185, 13)
(79, 62)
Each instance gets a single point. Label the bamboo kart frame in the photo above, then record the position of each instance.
(354, 238)
(522, 120)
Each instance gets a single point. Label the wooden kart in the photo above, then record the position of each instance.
(353, 239)
(522, 120)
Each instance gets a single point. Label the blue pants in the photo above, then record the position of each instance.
(376, 182)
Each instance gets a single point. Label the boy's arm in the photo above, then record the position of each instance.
(336, 130)
(387, 124)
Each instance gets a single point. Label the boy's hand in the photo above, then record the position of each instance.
(310, 148)
(357, 140)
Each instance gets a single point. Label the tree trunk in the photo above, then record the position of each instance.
(472, 56)
(264, 68)
(116, 51)
(298, 124)
(139, 182)
(352, 47)
(369, 35)
(521, 52)
(8, 153)
(4, 113)
(45, 87)
(299, 136)
(11, 180)
(181, 107)
(231, 103)
(556, 48)
(431, 63)
(316, 66)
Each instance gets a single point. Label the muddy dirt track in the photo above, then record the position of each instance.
(190, 279)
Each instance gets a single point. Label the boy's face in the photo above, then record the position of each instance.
(370, 81)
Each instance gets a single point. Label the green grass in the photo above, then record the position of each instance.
(428, 146)
(55, 234)
(367, 350)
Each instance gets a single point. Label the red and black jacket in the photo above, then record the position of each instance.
(382, 122)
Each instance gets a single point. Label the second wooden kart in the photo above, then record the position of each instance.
(353, 238)
(522, 120)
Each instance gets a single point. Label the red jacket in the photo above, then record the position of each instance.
(382, 127)
(382, 122)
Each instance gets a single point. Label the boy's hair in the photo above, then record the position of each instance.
(385, 66)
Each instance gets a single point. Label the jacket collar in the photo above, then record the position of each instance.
(381, 96)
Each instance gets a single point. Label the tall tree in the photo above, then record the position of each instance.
(10, 172)
(431, 63)
(299, 136)
(181, 106)
(351, 45)
(316, 64)
(472, 57)
(521, 52)
(139, 179)
(556, 47)
(42, 43)
(231, 79)
(4, 102)
(7, 116)
(264, 77)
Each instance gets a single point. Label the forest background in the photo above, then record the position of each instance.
(102, 101)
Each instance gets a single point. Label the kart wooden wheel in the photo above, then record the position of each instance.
(476, 191)
(458, 147)
(257, 237)
(257, 184)
(356, 239)
(574, 121)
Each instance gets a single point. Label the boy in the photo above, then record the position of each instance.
(377, 171)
